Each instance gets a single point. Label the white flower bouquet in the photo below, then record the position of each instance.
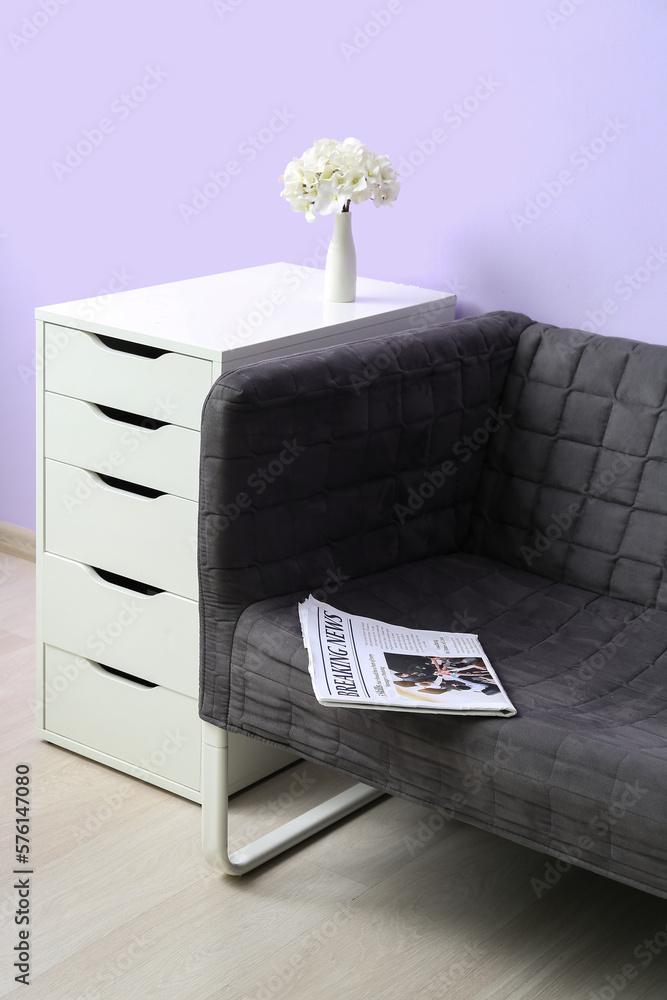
(331, 175)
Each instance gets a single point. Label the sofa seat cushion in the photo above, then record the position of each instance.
(580, 772)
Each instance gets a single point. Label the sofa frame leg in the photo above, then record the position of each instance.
(215, 811)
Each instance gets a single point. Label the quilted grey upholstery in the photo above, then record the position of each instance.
(493, 475)
(336, 506)
(575, 487)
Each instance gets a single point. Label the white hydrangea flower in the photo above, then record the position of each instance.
(331, 175)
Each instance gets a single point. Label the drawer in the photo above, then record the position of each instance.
(154, 383)
(148, 726)
(147, 538)
(152, 636)
(120, 444)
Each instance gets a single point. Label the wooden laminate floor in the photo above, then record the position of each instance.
(393, 903)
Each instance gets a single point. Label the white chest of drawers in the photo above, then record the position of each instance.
(119, 402)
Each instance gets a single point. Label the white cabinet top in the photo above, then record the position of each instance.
(238, 310)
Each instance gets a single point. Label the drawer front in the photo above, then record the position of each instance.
(79, 433)
(170, 387)
(150, 727)
(148, 539)
(154, 637)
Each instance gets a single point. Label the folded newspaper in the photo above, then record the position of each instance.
(363, 663)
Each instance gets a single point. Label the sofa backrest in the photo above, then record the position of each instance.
(574, 485)
(388, 438)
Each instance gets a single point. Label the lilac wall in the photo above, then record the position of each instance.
(539, 184)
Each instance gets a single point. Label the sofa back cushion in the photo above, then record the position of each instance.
(574, 485)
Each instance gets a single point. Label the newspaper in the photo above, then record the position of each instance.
(363, 663)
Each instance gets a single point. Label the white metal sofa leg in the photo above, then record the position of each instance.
(215, 813)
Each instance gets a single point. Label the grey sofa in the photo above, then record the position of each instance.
(492, 475)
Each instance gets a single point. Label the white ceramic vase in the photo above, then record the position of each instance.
(340, 273)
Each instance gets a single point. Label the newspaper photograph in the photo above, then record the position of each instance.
(363, 663)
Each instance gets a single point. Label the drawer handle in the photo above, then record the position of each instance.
(129, 347)
(126, 583)
(124, 675)
(122, 484)
(148, 423)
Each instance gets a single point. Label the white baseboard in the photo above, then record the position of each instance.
(17, 541)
